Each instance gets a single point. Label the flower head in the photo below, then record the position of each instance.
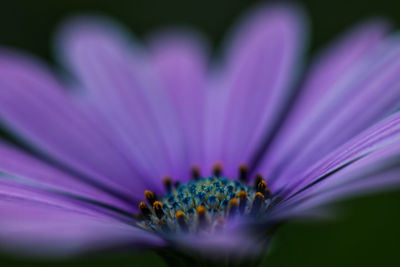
(155, 146)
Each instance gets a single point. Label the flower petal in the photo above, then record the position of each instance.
(339, 100)
(369, 161)
(43, 225)
(261, 65)
(375, 138)
(237, 240)
(33, 171)
(375, 172)
(39, 108)
(180, 60)
(122, 86)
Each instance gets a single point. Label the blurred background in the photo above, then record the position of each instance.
(367, 232)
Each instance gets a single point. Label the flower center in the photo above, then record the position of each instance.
(204, 204)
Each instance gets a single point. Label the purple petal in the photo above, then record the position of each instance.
(39, 108)
(376, 171)
(383, 134)
(215, 112)
(123, 87)
(235, 244)
(340, 99)
(180, 60)
(233, 240)
(260, 69)
(43, 225)
(33, 171)
(12, 187)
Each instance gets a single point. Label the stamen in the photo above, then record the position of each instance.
(259, 178)
(201, 213)
(258, 201)
(243, 199)
(150, 197)
(144, 209)
(261, 186)
(158, 210)
(195, 173)
(180, 218)
(233, 206)
(167, 181)
(217, 170)
(243, 173)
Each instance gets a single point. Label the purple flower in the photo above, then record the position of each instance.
(156, 147)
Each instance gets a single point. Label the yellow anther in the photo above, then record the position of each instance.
(233, 202)
(242, 195)
(262, 186)
(144, 209)
(259, 178)
(259, 196)
(150, 196)
(180, 215)
(180, 218)
(201, 210)
(257, 204)
(233, 205)
(157, 207)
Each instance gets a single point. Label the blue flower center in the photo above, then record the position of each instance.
(205, 204)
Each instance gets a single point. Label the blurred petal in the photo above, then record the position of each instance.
(123, 87)
(237, 245)
(12, 187)
(33, 171)
(44, 225)
(236, 241)
(38, 108)
(377, 137)
(329, 114)
(261, 67)
(180, 59)
(215, 112)
(375, 172)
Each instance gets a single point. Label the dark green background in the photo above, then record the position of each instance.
(368, 231)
